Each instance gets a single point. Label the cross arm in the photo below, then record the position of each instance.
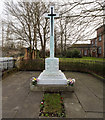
(47, 15)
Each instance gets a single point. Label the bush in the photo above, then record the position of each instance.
(69, 54)
(73, 53)
(64, 54)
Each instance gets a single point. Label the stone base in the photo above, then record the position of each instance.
(52, 75)
(51, 88)
(52, 78)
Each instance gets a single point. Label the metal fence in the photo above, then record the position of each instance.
(7, 63)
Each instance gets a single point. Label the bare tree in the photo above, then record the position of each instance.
(77, 22)
(31, 27)
(43, 28)
(83, 18)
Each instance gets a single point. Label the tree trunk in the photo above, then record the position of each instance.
(65, 39)
(55, 43)
(43, 46)
(35, 41)
(61, 37)
(30, 53)
(43, 52)
(61, 43)
(2, 34)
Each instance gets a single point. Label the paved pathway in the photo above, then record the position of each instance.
(87, 100)
(20, 102)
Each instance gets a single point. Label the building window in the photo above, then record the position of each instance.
(85, 52)
(99, 50)
(94, 50)
(95, 42)
(100, 37)
(92, 42)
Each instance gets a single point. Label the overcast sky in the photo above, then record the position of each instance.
(2, 7)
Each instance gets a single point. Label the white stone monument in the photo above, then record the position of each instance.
(52, 75)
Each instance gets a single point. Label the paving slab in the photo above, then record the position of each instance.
(88, 100)
(89, 94)
(30, 108)
(8, 113)
(93, 84)
(72, 106)
(94, 115)
(19, 102)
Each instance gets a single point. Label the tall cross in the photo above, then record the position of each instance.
(52, 15)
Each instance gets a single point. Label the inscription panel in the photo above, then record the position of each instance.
(52, 64)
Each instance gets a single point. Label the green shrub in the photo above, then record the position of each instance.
(64, 54)
(73, 53)
(69, 54)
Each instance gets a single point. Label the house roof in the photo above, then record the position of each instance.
(81, 46)
(100, 27)
(94, 38)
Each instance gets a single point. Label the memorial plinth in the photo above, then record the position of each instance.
(52, 75)
(52, 88)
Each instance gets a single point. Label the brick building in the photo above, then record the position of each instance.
(98, 43)
(11, 52)
(97, 46)
(27, 55)
(35, 54)
(83, 48)
(93, 49)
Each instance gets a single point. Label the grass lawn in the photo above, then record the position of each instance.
(82, 59)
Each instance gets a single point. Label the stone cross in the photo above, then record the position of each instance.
(52, 15)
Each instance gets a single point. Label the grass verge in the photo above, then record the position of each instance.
(82, 59)
(52, 105)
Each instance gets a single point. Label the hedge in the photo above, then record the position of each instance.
(32, 65)
(84, 66)
(96, 67)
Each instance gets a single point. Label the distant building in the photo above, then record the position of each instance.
(27, 53)
(11, 52)
(83, 48)
(97, 46)
(98, 43)
(94, 48)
